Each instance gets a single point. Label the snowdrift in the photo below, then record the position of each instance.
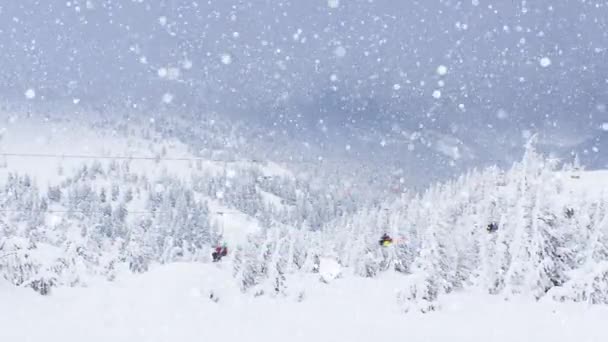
(175, 303)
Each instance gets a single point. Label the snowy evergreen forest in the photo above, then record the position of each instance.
(106, 217)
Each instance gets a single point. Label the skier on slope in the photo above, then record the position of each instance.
(385, 240)
(220, 251)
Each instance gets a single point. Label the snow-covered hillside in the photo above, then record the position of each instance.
(81, 195)
(123, 226)
(183, 302)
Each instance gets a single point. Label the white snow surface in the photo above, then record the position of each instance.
(34, 139)
(172, 303)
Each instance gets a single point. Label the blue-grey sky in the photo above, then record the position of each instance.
(478, 70)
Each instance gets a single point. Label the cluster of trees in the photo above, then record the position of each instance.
(96, 221)
(107, 217)
(526, 231)
(548, 239)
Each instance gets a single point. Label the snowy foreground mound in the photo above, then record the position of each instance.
(172, 303)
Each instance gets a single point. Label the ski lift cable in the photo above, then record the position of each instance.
(223, 212)
(150, 158)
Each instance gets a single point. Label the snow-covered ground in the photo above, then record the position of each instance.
(172, 303)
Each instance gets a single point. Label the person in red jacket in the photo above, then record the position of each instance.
(220, 251)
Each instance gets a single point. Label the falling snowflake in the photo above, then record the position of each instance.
(437, 94)
(30, 94)
(545, 62)
(226, 58)
(442, 70)
(396, 86)
(167, 98)
(333, 3)
(605, 126)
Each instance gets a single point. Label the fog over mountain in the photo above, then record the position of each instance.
(430, 87)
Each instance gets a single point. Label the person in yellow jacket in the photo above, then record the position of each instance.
(386, 240)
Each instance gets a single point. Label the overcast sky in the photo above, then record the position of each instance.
(442, 64)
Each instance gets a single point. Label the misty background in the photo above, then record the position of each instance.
(424, 89)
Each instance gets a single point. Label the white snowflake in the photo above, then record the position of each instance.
(475, 2)
(167, 98)
(545, 62)
(442, 70)
(396, 86)
(437, 94)
(605, 126)
(226, 58)
(30, 94)
(333, 3)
